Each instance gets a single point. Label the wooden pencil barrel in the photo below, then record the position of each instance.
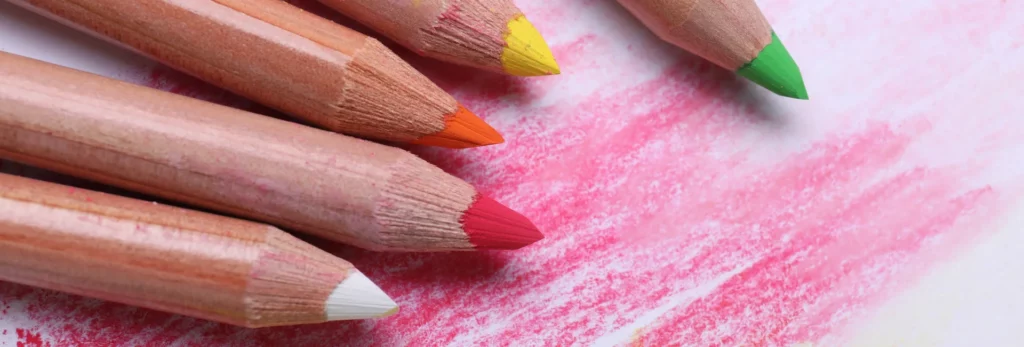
(160, 257)
(728, 33)
(273, 53)
(340, 188)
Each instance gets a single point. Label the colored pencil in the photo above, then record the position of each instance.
(174, 260)
(732, 34)
(488, 34)
(285, 58)
(292, 176)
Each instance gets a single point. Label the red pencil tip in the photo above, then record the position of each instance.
(491, 225)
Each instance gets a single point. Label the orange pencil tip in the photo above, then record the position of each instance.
(463, 129)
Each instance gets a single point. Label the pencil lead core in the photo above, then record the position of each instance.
(463, 129)
(491, 225)
(775, 70)
(357, 297)
(526, 53)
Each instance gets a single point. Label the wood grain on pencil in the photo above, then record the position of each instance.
(173, 260)
(278, 55)
(732, 34)
(487, 34)
(344, 189)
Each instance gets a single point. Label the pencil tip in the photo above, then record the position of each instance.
(356, 297)
(491, 225)
(526, 53)
(775, 70)
(463, 129)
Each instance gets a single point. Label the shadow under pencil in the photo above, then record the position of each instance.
(441, 268)
(707, 79)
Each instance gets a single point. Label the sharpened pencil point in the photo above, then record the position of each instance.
(463, 129)
(526, 53)
(357, 297)
(491, 225)
(775, 70)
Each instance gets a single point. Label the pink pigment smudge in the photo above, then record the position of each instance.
(28, 338)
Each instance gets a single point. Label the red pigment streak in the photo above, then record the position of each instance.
(29, 339)
(491, 225)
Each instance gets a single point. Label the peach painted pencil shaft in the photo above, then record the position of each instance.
(487, 34)
(340, 188)
(288, 59)
(174, 260)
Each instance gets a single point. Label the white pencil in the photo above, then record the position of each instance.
(174, 260)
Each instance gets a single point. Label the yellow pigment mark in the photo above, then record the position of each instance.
(637, 340)
(526, 53)
(389, 313)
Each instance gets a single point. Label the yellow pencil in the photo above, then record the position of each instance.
(487, 34)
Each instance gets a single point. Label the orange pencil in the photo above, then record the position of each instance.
(174, 260)
(278, 55)
(487, 34)
(292, 176)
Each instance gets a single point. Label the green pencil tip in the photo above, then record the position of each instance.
(775, 69)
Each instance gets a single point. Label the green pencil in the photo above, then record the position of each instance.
(732, 34)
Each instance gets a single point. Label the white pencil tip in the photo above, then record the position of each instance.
(358, 298)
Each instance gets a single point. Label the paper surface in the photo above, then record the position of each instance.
(682, 205)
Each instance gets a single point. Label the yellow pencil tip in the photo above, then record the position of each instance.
(526, 53)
